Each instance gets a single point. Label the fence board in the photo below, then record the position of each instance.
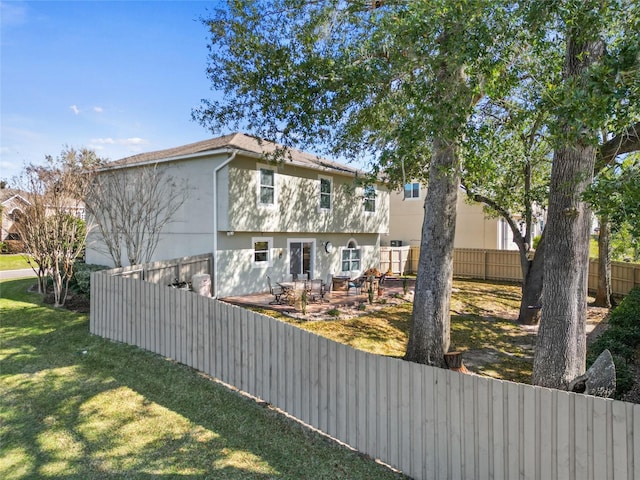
(361, 390)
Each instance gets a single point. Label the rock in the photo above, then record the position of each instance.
(201, 284)
(599, 380)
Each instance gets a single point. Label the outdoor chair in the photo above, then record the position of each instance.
(356, 284)
(316, 290)
(276, 292)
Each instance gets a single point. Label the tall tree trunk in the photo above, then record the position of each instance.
(532, 283)
(603, 294)
(430, 323)
(561, 343)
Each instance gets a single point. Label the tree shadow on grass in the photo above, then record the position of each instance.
(78, 406)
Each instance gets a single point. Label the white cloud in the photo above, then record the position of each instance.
(75, 109)
(12, 13)
(132, 144)
(103, 141)
(98, 109)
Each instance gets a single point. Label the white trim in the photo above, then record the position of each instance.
(356, 272)
(312, 266)
(331, 184)
(364, 200)
(269, 261)
(412, 198)
(187, 156)
(259, 168)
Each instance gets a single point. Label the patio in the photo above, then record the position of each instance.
(392, 292)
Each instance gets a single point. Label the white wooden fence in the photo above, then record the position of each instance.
(427, 422)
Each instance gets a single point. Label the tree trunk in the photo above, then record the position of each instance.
(603, 294)
(561, 343)
(430, 323)
(532, 283)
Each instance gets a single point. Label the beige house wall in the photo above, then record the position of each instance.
(297, 202)
(473, 228)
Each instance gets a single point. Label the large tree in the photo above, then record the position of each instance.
(583, 101)
(395, 82)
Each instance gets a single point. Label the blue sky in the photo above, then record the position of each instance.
(118, 77)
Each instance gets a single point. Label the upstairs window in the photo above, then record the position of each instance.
(351, 257)
(370, 199)
(267, 187)
(412, 190)
(326, 188)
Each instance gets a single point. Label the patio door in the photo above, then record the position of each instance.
(301, 255)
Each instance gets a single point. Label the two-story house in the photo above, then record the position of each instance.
(301, 215)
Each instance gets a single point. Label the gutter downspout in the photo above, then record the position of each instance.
(215, 219)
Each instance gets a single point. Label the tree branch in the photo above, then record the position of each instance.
(626, 142)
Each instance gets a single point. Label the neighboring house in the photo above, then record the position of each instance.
(303, 215)
(13, 203)
(474, 229)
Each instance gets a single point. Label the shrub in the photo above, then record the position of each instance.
(81, 280)
(13, 246)
(622, 338)
(334, 312)
(536, 241)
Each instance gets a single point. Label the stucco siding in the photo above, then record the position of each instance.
(297, 202)
(473, 228)
(238, 275)
(190, 232)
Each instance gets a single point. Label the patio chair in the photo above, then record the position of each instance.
(276, 292)
(316, 290)
(356, 284)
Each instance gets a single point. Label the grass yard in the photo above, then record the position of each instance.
(483, 327)
(13, 262)
(76, 406)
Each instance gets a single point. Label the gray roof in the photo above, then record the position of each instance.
(234, 141)
(8, 193)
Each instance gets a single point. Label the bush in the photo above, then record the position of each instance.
(13, 246)
(81, 280)
(622, 338)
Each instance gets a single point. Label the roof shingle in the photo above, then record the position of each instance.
(234, 141)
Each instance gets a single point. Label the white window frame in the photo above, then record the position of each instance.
(347, 248)
(312, 258)
(259, 170)
(411, 197)
(269, 251)
(367, 197)
(321, 194)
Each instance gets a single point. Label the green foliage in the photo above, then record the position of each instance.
(375, 83)
(81, 280)
(536, 241)
(622, 338)
(334, 312)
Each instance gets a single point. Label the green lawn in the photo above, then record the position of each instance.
(483, 327)
(76, 406)
(13, 262)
